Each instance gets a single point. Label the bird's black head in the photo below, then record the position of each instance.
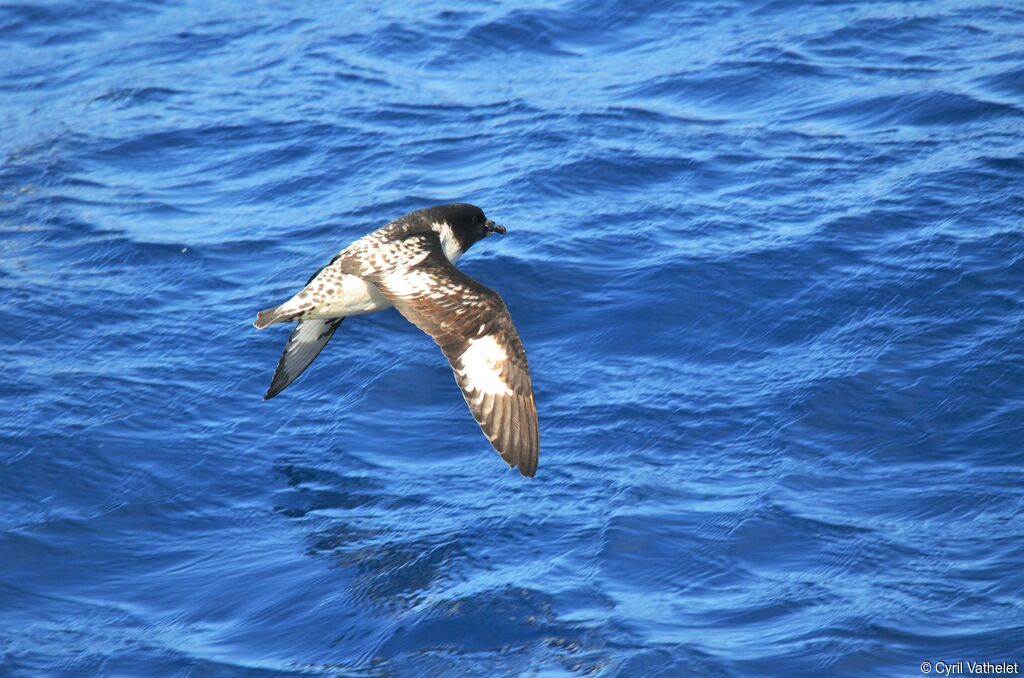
(467, 222)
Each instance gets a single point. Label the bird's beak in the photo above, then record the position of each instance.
(494, 228)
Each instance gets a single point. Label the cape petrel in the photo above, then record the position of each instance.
(410, 264)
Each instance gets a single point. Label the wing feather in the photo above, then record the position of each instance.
(305, 343)
(474, 329)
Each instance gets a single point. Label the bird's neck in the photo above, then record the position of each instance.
(450, 244)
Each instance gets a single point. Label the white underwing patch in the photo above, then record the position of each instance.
(480, 365)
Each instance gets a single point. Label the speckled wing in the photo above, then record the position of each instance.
(304, 344)
(473, 327)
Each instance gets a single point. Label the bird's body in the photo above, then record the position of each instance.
(409, 264)
(350, 295)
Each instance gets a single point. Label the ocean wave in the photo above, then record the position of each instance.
(765, 262)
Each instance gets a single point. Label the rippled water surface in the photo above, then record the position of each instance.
(767, 261)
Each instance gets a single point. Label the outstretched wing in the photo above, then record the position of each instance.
(473, 327)
(305, 343)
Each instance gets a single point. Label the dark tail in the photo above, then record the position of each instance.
(271, 316)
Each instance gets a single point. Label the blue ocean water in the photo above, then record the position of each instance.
(767, 260)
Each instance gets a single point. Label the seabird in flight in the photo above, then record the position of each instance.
(410, 264)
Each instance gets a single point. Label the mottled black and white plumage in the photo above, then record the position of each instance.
(409, 264)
